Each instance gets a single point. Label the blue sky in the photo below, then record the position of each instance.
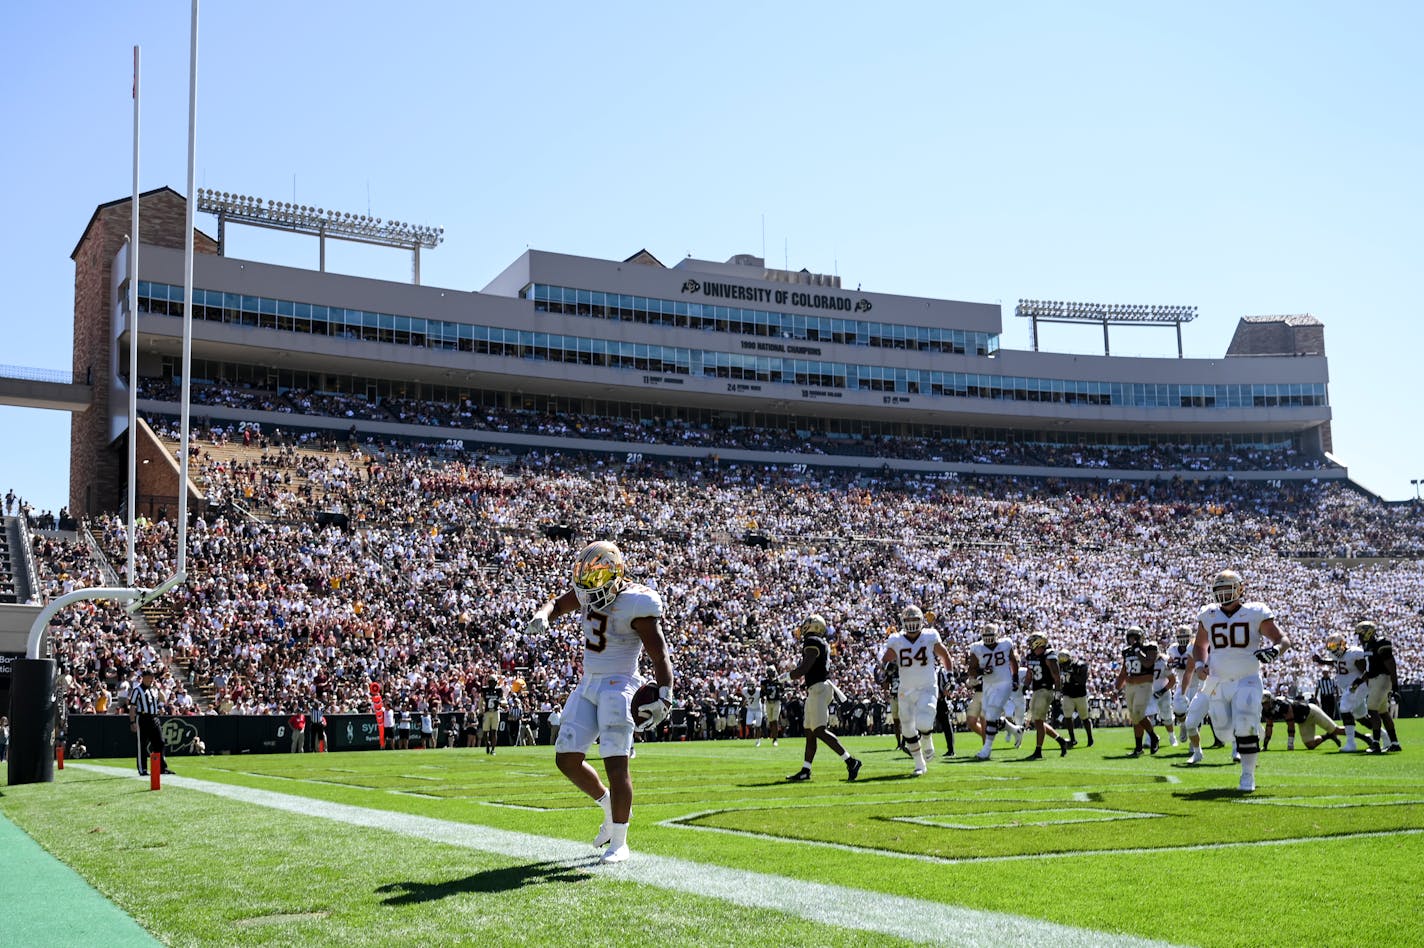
(1245, 159)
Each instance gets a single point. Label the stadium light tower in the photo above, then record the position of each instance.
(1106, 314)
(318, 221)
(1416, 484)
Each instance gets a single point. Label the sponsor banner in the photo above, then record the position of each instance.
(6, 660)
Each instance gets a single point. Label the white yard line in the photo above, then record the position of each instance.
(913, 919)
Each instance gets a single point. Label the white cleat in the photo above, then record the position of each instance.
(1174, 740)
(920, 770)
(1235, 757)
(1197, 756)
(983, 754)
(1248, 783)
(614, 854)
(1018, 739)
(605, 835)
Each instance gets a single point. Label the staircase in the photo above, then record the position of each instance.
(17, 582)
(158, 613)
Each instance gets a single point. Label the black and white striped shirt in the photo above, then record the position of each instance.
(142, 701)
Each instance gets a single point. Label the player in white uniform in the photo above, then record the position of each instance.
(755, 711)
(1163, 680)
(917, 651)
(1347, 665)
(1179, 656)
(1234, 638)
(619, 619)
(993, 659)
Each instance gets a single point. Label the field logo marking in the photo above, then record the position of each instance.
(1350, 800)
(1011, 819)
(683, 822)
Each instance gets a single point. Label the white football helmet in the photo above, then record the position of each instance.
(1336, 645)
(912, 620)
(1184, 635)
(1037, 641)
(1365, 631)
(1227, 587)
(598, 575)
(990, 635)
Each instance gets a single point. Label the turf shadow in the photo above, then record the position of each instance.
(1210, 793)
(901, 776)
(505, 879)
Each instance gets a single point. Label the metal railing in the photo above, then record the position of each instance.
(36, 375)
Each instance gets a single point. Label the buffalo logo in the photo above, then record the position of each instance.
(691, 286)
(862, 305)
(179, 737)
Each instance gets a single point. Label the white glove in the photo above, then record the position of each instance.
(537, 626)
(656, 710)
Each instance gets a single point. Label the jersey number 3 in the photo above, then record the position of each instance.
(595, 632)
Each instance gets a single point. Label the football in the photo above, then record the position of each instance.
(647, 694)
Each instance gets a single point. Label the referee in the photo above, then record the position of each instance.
(143, 717)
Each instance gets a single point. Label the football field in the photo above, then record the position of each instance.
(455, 847)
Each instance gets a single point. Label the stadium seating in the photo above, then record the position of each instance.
(447, 555)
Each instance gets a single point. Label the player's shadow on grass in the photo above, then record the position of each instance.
(1210, 793)
(505, 879)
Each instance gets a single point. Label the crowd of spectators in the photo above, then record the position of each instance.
(96, 644)
(428, 587)
(464, 416)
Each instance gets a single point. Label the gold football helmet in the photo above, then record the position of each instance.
(1335, 644)
(813, 624)
(912, 620)
(1227, 587)
(1365, 631)
(1065, 658)
(598, 575)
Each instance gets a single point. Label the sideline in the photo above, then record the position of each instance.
(857, 909)
(48, 903)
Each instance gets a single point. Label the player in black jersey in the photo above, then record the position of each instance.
(773, 690)
(1044, 678)
(1298, 713)
(1074, 675)
(815, 667)
(491, 707)
(1382, 679)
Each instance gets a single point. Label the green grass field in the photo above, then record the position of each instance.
(1326, 852)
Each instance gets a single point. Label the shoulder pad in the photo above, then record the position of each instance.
(640, 601)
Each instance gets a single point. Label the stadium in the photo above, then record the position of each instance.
(386, 480)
